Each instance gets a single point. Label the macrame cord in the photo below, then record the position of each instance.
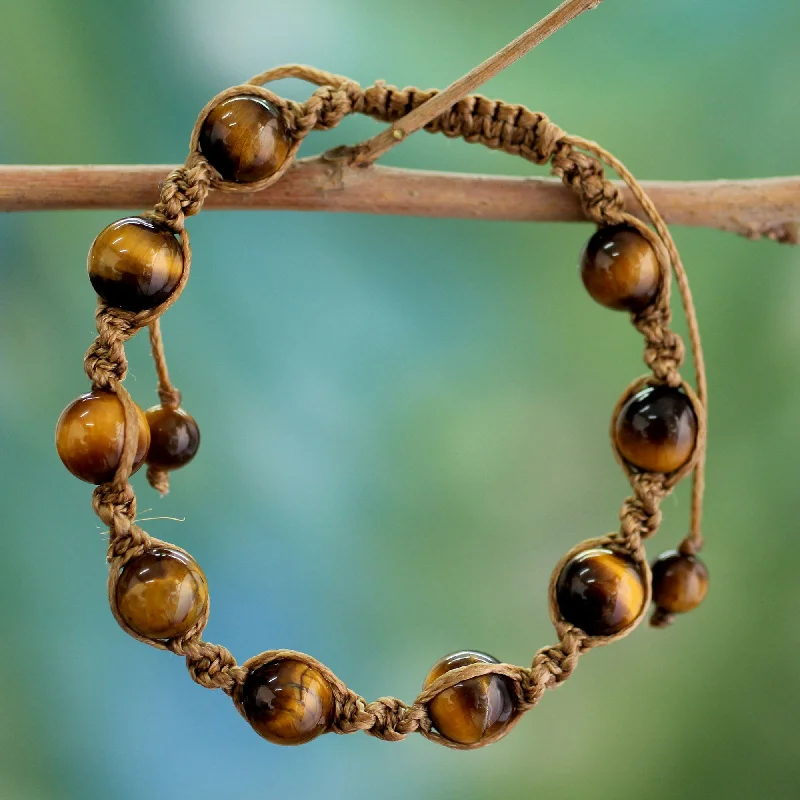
(513, 129)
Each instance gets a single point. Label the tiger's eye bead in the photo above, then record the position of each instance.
(161, 594)
(474, 709)
(619, 268)
(656, 429)
(134, 264)
(244, 139)
(174, 437)
(600, 592)
(90, 434)
(287, 701)
(680, 582)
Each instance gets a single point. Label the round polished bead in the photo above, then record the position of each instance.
(619, 268)
(174, 437)
(134, 264)
(161, 594)
(244, 139)
(600, 592)
(680, 582)
(656, 429)
(287, 701)
(472, 710)
(90, 435)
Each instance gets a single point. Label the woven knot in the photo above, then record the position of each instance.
(553, 665)
(661, 618)
(664, 349)
(351, 714)
(211, 665)
(325, 109)
(393, 720)
(105, 362)
(601, 200)
(183, 193)
(169, 397)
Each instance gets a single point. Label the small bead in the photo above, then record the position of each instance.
(134, 264)
(474, 709)
(600, 592)
(287, 702)
(619, 268)
(656, 429)
(174, 437)
(680, 582)
(161, 594)
(90, 434)
(244, 139)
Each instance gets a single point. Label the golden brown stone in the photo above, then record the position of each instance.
(656, 429)
(244, 139)
(161, 594)
(174, 437)
(600, 592)
(134, 264)
(474, 709)
(619, 268)
(680, 582)
(287, 701)
(90, 434)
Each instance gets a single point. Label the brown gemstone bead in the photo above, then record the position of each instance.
(619, 268)
(174, 437)
(134, 264)
(244, 139)
(161, 594)
(90, 434)
(680, 582)
(600, 592)
(287, 701)
(474, 709)
(656, 429)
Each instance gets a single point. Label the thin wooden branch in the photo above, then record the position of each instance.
(766, 207)
(367, 152)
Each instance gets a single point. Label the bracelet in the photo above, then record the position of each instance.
(244, 140)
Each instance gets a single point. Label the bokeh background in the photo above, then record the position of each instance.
(404, 420)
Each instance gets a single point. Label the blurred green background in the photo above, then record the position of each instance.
(404, 421)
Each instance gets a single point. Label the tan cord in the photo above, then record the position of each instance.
(477, 119)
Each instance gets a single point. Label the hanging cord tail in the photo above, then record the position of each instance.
(694, 540)
(170, 398)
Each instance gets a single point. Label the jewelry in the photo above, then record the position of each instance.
(244, 140)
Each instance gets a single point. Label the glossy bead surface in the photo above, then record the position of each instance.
(656, 429)
(161, 594)
(619, 268)
(134, 264)
(174, 437)
(90, 434)
(600, 592)
(287, 702)
(680, 582)
(473, 709)
(244, 139)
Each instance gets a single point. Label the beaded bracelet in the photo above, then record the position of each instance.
(244, 140)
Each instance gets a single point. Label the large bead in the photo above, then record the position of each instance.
(680, 582)
(174, 437)
(472, 710)
(656, 429)
(244, 139)
(287, 701)
(90, 434)
(134, 264)
(600, 592)
(161, 594)
(619, 268)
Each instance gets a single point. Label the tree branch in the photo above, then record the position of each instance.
(367, 152)
(767, 207)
